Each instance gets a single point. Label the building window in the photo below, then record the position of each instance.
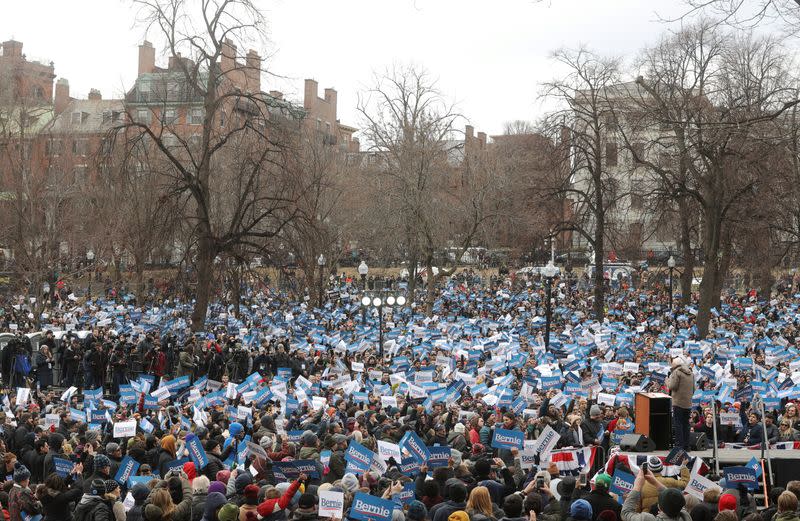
(143, 116)
(327, 127)
(611, 120)
(52, 147)
(170, 116)
(170, 140)
(144, 91)
(76, 118)
(196, 117)
(611, 154)
(319, 124)
(637, 201)
(79, 147)
(80, 175)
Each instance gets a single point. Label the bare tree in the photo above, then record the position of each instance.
(231, 166)
(585, 178)
(434, 195)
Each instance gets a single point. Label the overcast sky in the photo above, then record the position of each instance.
(489, 57)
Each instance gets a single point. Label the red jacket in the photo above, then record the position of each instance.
(270, 506)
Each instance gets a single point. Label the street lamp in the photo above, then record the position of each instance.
(550, 271)
(378, 303)
(89, 259)
(671, 266)
(363, 269)
(321, 264)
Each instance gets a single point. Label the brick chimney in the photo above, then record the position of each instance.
(482, 139)
(147, 58)
(62, 95)
(228, 59)
(253, 63)
(12, 48)
(94, 95)
(330, 97)
(310, 94)
(469, 131)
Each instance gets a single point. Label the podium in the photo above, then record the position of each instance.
(653, 415)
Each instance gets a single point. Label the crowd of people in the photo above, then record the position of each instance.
(288, 411)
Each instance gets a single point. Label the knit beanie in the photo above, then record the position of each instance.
(228, 512)
(216, 486)
(655, 464)
(251, 494)
(307, 501)
(21, 472)
(671, 501)
(350, 483)
(727, 502)
(416, 511)
(580, 509)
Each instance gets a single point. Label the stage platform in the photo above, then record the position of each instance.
(730, 455)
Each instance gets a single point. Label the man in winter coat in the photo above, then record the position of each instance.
(670, 502)
(650, 492)
(93, 506)
(21, 498)
(681, 387)
(337, 464)
(600, 499)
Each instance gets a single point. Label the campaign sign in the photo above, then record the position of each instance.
(127, 468)
(133, 480)
(676, 456)
(331, 504)
(546, 440)
(294, 436)
(415, 447)
(440, 456)
(370, 508)
(698, 485)
(178, 463)
(621, 483)
(126, 429)
(743, 475)
(325, 457)
(196, 451)
(308, 467)
(507, 439)
(406, 495)
(63, 466)
(755, 465)
(358, 456)
(410, 466)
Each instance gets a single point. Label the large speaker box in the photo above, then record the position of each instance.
(698, 441)
(653, 413)
(636, 443)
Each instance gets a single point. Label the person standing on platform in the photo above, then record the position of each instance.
(681, 387)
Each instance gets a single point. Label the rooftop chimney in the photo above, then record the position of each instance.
(12, 48)
(62, 95)
(310, 95)
(253, 70)
(95, 95)
(228, 59)
(482, 138)
(469, 131)
(147, 58)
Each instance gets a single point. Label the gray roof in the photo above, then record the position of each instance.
(96, 116)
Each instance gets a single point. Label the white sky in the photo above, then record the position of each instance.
(489, 57)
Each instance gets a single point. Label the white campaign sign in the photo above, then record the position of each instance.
(126, 429)
(699, 484)
(331, 504)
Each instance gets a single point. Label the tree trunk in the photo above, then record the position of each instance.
(599, 281)
(686, 250)
(139, 282)
(205, 272)
(709, 286)
(236, 282)
(412, 274)
(430, 295)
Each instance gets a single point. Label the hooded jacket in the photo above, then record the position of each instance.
(214, 500)
(681, 386)
(93, 508)
(630, 511)
(649, 493)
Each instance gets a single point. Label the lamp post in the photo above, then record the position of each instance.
(671, 266)
(378, 303)
(549, 272)
(90, 260)
(321, 264)
(363, 270)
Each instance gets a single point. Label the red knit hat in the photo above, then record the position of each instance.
(727, 502)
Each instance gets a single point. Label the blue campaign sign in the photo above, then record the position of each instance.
(366, 507)
(755, 465)
(291, 470)
(743, 475)
(178, 463)
(358, 457)
(440, 456)
(133, 480)
(406, 495)
(307, 466)
(284, 372)
(196, 451)
(294, 436)
(127, 468)
(151, 402)
(63, 466)
(519, 405)
(146, 426)
(410, 466)
(415, 447)
(507, 439)
(621, 483)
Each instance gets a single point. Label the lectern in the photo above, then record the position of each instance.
(653, 415)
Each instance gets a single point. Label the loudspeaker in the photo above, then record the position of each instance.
(636, 443)
(698, 440)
